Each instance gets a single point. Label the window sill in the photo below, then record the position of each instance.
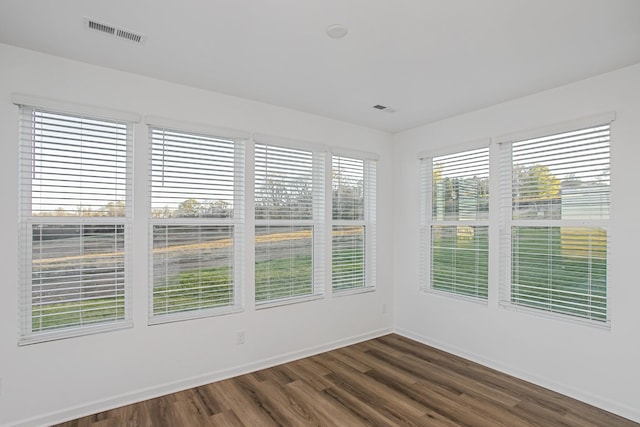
(460, 297)
(566, 318)
(181, 317)
(60, 334)
(287, 301)
(353, 291)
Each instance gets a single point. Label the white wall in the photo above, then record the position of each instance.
(48, 382)
(598, 366)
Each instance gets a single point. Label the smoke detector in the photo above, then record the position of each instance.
(337, 31)
(112, 30)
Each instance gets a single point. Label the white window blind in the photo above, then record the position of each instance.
(455, 211)
(75, 212)
(353, 230)
(289, 213)
(555, 197)
(196, 191)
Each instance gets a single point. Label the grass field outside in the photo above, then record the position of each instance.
(195, 290)
(86, 312)
(556, 269)
(190, 290)
(561, 270)
(563, 275)
(460, 260)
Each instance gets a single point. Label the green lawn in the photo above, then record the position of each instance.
(191, 290)
(348, 269)
(555, 276)
(283, 278)
(560, 270)
(86, 312)
(460, 260)
(194, 290)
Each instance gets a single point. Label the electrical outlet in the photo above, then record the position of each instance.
(240, 337)
(384, 308)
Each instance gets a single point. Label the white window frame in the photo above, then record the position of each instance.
(427, 222)
(28, 106)
(237, 220)
(370, 162)
(319, 155)
(507, 223)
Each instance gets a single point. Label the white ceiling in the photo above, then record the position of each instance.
(428, 59)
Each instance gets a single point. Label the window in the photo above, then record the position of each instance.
(75, 213)
(455, 213)
(289, 212)
(555, 198)
(353, 231)
(196, 219)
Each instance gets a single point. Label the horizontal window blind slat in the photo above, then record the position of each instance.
(221, 151)
(560, 154)
(189, 138)
(564, 137)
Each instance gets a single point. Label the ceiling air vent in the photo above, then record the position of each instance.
(101, 27)
(113, 30)
(129, 35)
(384, 108)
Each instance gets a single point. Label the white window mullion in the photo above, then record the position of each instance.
(370, 213)
(26, 282)
(426, 203)
(505, 250)
(239, 217)
(319, 233)
(128, 223)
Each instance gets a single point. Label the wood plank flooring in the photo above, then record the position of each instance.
(388, 381)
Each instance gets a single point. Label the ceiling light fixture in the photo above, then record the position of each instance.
(337, 31)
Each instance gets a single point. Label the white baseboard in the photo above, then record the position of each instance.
(187, 383)
(597, 401)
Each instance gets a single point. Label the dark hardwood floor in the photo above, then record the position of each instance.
(388, 381)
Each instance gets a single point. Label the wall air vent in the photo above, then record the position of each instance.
(113, 30)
